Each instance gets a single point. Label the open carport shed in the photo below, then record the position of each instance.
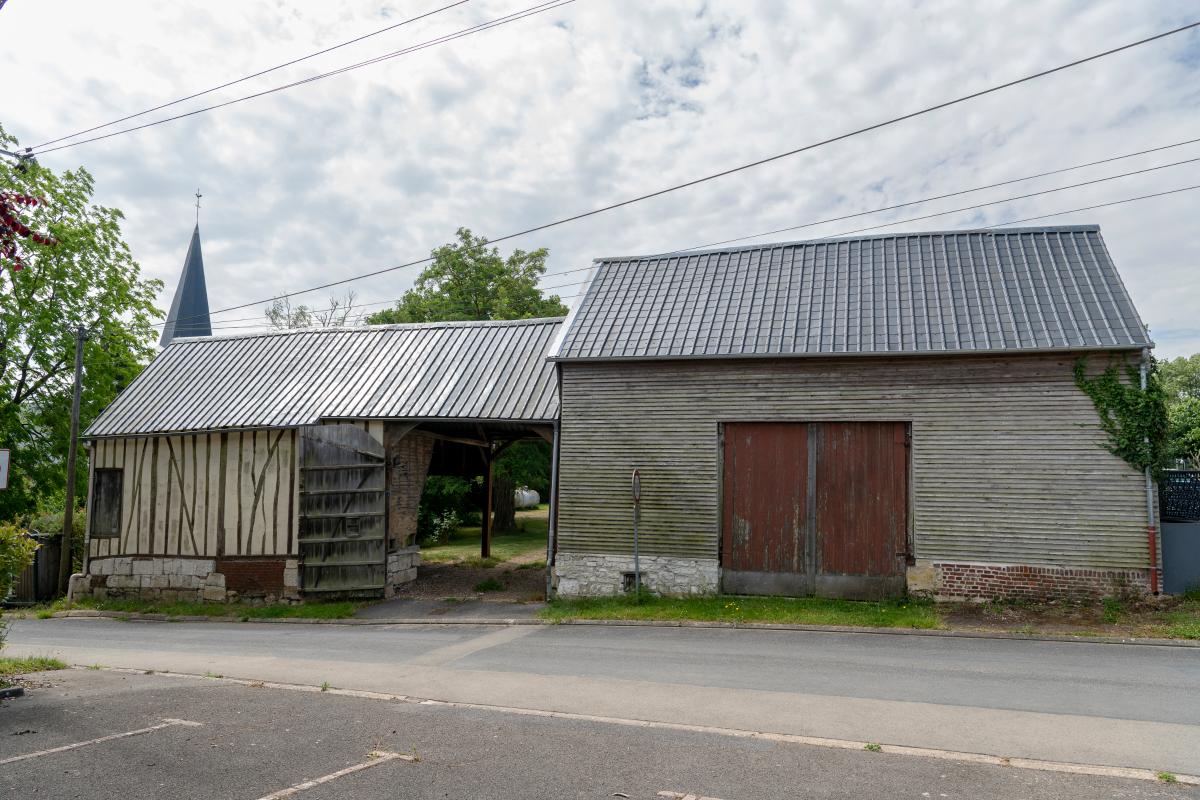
(292, 463)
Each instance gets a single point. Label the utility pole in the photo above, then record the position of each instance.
(64, 559)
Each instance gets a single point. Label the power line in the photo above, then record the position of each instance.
(258, 74)
(759, 162)
(990, 225)
(1123, 201)
(494, 23)
(831, 219)
(949, 194)
(1098, 205)
(915, 219)
(861, 214)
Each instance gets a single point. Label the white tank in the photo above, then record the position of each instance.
(526, 498)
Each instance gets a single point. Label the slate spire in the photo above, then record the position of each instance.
(189, 310)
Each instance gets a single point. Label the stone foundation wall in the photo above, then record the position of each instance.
(600, 574)
(187, 580)
(947, 581)
(401, 568)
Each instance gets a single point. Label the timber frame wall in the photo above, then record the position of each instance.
(1009, 465)
(207, 495)
(214, 516)
(172, 486)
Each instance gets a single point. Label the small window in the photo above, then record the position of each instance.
(106, 503)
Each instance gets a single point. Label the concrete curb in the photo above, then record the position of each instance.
(634, 623)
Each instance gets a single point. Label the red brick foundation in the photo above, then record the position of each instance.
(1000, 581)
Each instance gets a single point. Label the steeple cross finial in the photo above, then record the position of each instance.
(198, 196)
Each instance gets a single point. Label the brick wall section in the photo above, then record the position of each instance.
(408, 455)
(253, 576)
(1000, 581)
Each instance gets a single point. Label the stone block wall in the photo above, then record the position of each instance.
(153, 578)
(401, 568)
(601, 574)
(948, 581)
(188, 579)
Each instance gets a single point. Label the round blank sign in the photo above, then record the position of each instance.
(637, 486)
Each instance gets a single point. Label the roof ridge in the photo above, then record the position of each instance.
(824, 240)
(484, 323)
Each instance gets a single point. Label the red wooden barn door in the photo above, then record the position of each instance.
(815, 508)
(764, 539)
(861, 521)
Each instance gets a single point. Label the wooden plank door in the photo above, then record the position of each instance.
(815, 508)
(765, 506)
(861, 509)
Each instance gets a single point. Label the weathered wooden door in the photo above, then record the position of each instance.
(764, 543)
(343, 512)
(815, 508)
(860, 522)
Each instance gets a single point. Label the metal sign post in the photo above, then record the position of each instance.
(4, 456)
(637, 508)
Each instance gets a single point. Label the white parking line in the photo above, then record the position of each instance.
(682, 796)
(375, 759)
(166, 723)
(1101, 770)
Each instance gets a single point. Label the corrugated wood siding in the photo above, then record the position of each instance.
(177, 491)
(1008, 463)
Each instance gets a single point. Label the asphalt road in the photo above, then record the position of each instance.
(256, 742)
(1119, 705)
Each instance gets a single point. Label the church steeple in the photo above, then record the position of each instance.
(189, 310)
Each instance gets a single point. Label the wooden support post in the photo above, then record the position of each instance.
(485, 539)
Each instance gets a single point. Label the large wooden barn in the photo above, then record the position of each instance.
(851, 418)
(290, 465)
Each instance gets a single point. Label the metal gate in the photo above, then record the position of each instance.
(815, 508)
(343, 512)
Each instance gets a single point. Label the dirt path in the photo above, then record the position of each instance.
(437, 581)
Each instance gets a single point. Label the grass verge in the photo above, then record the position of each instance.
(340, 610)
(1168, 617)
(12, 666)
(787, 610)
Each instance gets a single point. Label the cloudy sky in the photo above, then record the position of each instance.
(598, 101)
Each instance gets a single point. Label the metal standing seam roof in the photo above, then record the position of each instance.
(991, 290)
(493, 371)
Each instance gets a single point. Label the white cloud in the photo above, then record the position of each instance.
(596, 102)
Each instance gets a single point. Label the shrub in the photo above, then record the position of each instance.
(445, 504)
(441, 528)
(16, 553)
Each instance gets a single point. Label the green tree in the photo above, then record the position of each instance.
(89, 278)
(1180, 379)
(1184, 418)
(470, 281)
